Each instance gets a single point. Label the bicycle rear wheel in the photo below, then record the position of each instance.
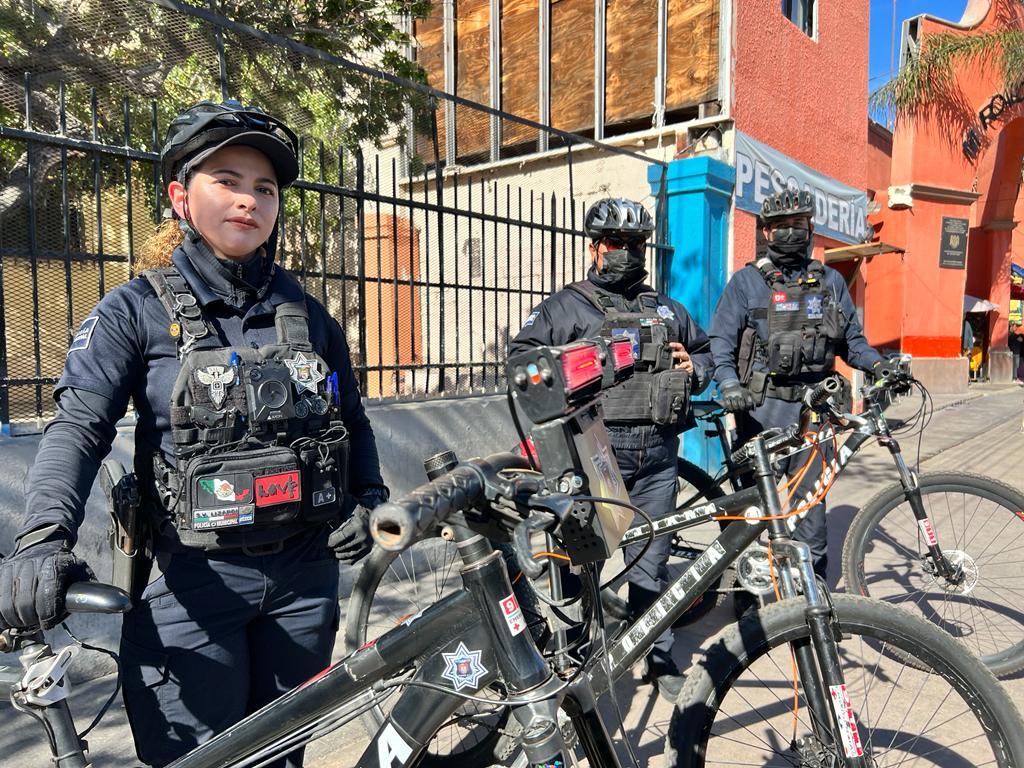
(393, 586)
(946, 710)
(980, 527)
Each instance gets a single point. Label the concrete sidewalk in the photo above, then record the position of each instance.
(979, 432)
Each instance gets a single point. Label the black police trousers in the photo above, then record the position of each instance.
(219, 635)
(647, 460)
(810, 528)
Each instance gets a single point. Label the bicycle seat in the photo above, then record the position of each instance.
(702, 409)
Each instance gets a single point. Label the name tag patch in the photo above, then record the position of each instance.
(787, 306)
(205, 519)
(84, 335)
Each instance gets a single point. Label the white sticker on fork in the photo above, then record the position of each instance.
(928, 531)
(513, 614)
(847, 722)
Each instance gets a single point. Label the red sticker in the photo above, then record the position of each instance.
(277, 489)
(778, 297)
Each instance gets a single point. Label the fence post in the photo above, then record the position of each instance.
(698, 200)
(364, 376)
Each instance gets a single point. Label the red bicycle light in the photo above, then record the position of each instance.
(581, 365)
(622, 353)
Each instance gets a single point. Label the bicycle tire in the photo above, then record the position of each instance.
(725, 679)
(884, 556)
(370, 613)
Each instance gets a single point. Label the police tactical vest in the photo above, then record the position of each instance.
(259, 449)
(805, 322)
(655, 393)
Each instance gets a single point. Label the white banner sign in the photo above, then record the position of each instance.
(840, 211)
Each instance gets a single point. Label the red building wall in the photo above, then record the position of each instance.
(806, 97)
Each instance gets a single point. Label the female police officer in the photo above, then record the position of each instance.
(248, 410)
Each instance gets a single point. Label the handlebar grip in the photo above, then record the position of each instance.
(397, 525)
(823, 391)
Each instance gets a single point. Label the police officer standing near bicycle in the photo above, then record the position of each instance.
(778, 327)
(646, 414)
(256, 463)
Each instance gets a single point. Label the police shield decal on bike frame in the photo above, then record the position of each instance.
(463, 668)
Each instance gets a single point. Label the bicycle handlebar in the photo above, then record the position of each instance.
(396, 525)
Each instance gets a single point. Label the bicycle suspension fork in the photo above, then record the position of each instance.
(826, 720)
(912, 493)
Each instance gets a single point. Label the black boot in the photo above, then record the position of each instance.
(664, 675)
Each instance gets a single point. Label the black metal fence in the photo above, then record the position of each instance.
(429, 268)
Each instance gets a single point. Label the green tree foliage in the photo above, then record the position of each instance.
(129, 55)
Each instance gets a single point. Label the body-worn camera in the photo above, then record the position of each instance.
(268, 386)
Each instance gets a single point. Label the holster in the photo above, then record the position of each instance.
(129, 546)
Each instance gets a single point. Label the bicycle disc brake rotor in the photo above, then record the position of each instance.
(753, 570)
(967, 568)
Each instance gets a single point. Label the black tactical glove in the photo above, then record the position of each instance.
(735, 398)
(34, 582)
(351, 541)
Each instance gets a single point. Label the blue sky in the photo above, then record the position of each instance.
(881, 29)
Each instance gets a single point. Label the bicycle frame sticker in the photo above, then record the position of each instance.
(513, 614)
(928, 531)
(463, 668)
(390, 746)
(847, 722)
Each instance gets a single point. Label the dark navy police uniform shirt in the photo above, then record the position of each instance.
(125, 351)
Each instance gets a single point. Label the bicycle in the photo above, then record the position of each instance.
(476, 639)
(942, 543)
(482, 735)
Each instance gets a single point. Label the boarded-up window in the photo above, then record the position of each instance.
(473, 78)
(572, 65)
(429, 34)
(519, 68)
(692, 53)
(631, 59)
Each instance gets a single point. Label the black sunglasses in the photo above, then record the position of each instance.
(625, 242)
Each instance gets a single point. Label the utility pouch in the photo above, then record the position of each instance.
(785, 353)
(746, 353)
(122, 492)
(815, 347)
(670, 397)
(227, 490)
(758, 387)
(325, 477)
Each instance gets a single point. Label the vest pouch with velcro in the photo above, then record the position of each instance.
(785, 353)
(670, 397)
(240, 489)
(629, 402)
(325, 477)
(833, 321)
(815, 347)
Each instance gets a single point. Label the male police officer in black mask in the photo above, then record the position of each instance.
(778, 327)
(646, 414)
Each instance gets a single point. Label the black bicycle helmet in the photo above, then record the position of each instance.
(789, 202)
(616, 216)
(204, 128)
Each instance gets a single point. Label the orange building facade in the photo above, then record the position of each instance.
(946, 187)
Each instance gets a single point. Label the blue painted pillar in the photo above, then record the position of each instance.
(698, 197)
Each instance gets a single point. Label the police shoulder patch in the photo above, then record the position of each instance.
(665, 312)
(530, 320)
(84, 335)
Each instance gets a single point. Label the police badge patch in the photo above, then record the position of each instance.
(305, 373)
(84, 335)
(814, 308)
(216, 377)
(463, 668)
(665, 312)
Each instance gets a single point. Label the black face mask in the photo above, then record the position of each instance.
(623, 267)
(791, 239)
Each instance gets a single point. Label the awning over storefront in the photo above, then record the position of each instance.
(974, 304)
(861, 251)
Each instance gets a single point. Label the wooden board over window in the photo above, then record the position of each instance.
(692, 53)
(472, 81)
(519, 68)
(429, 34)
(572, 65)
(631, 59)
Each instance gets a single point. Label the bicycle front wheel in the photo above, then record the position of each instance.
(947, 709)
(979, 523)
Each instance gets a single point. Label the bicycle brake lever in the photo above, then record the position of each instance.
(530, 567)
